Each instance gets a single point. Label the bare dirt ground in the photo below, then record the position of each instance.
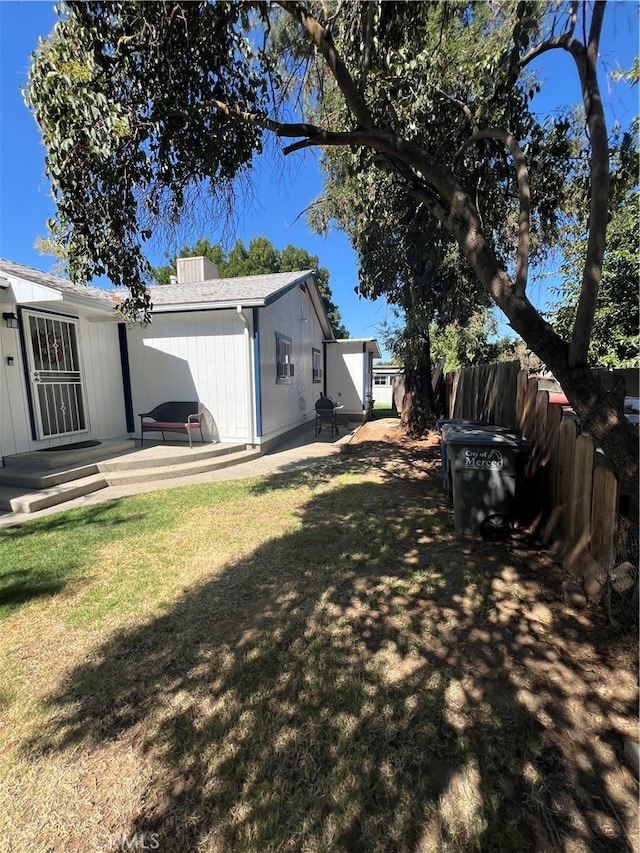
(570, 668)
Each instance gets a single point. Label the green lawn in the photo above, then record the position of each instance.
(298, 663)
(381, 410)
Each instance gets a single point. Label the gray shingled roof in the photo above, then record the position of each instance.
(56, 282)
(256, 289)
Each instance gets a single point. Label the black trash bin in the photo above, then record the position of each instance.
(442, 425)
(457, 426)
(484, 466)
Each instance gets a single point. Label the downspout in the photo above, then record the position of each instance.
(364, 380)
(249, 372)
(126, 377)
(324, 369)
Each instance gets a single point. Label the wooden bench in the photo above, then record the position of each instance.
(173, 417)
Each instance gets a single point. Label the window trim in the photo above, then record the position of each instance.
(316, 370)
(285, 370)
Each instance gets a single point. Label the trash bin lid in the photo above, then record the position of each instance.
(483, 437)
(450, 429)
(455, 422)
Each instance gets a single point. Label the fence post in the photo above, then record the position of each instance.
(604, 516)
(567, 443)
(530, 408)
(581, 486)
(521, 389)
(554, 419)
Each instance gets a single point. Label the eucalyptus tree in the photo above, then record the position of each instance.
(614, 337)
(404, 252)
(139, 103)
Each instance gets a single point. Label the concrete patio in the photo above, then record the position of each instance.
(37, 481)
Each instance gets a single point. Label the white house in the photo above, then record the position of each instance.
(349, 374)
(60, 373)
(257, 351)
(385, 378)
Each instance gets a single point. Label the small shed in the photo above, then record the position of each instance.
(385, 377)
(350, 374)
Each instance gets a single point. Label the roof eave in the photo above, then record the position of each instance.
(177, 307)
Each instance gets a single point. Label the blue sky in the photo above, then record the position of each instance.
(281, 194)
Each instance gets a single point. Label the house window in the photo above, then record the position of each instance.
(284, 359)
(316, 365)
(380, 380)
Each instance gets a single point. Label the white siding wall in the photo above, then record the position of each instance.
(345, 371)
(198, 355)
(102, 386)
(287, 405)
(15, 429)
(102, 369)
(383, 394)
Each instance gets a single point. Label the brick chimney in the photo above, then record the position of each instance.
(191, 270)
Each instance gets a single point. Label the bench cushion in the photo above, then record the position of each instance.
(170, 425)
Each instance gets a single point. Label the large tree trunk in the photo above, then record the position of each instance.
(438, 188)
(418, 411)
(600, 411)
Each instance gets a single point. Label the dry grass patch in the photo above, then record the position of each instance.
(306, 662)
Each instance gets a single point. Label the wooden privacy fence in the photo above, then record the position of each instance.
(487, 392)
(574, 491)
(578, 492)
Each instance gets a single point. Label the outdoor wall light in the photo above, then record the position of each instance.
(10, 319)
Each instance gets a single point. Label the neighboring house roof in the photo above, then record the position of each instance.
(389, 369)
(371, 344)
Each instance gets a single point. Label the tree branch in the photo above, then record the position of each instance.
(524, 194)
(463, 108)
(368, 42)
(313, 135)
(321, 38)
(564, 41)
(586, 59)
(586, 62)
(524, 189)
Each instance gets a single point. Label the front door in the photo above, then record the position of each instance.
(56, 380)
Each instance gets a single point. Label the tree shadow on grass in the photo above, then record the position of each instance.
(410, 692)
(397, 464)
(20, 586)
(36, 561)
(109, 513)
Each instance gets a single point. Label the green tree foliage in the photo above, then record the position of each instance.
(472, 342)
(260, 258)
(140, 103)
(405, 253)
(127, 144)
(614, 340)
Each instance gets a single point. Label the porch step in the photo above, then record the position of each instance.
(18, 500)
(22, 490)
(162, 456)
(162, 472)
(40, 460)
(25, 478)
